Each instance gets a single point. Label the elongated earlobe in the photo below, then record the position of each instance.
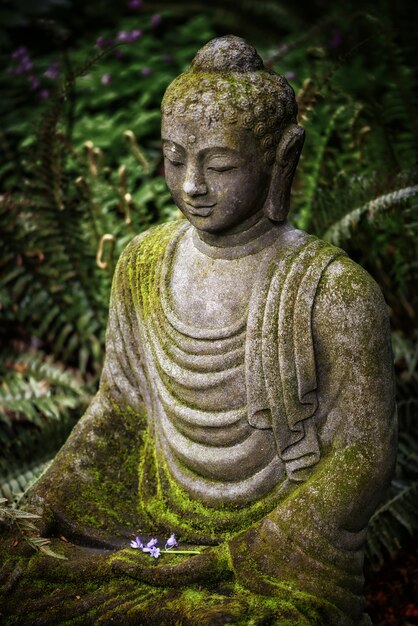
(277, 204)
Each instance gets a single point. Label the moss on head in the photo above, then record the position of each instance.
(228, 82)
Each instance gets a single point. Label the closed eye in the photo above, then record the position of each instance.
(221, 168)
(174, 162)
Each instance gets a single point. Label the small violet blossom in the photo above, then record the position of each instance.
(150, 545)
(290, 75)
(102, 42)
(20, 53)
(106, 79)
(34, 82)
(171, 542)
(126, 36)
(53, 70)
(135, 4)
(155, 20)
(137, 543)
(147, 71)
(336, 39)
(153, 552)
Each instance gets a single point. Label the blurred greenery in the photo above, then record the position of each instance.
(83, 174)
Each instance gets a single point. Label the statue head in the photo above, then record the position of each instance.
(230, 136)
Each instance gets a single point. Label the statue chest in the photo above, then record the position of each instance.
(210, 293)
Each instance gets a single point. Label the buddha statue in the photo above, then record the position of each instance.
(246, 402)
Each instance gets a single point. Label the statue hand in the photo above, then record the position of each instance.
(207, 567)
(258, 556)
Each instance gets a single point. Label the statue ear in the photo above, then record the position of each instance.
(277, 204)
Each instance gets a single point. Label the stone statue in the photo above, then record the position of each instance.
(247, 398)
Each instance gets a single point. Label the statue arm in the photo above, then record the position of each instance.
(80, 493)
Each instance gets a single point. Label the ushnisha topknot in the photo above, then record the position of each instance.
(227, 82)
(227, 54)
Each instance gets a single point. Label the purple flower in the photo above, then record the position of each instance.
(123, 35)
(135, 4)
(34, 81)
(134, 35)
(137, 543)
(106, 79)
(171, 542)
(290, 75)
(151, 549)
(102, 42)
(53, 70)
(336, 39)
(154, 552)
(26, 65)
(20, 53)
(155, 20)
(43, 94)
(147, 71)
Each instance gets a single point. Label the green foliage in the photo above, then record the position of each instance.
(15, 484)
(398, 515)
(23, 521)
(39, 402)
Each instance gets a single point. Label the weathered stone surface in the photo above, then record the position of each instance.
(246, 402)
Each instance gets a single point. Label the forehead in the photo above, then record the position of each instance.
(195, 134)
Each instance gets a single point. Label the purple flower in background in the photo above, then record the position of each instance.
(290, 75)
(135, 4)
(123, 35)
(155, 20)
(137, 543)
(53, 70)
(102, 42)
(147, 71)
(20, 53)
(106, 79)
(127, 36)
(26, 65)
(34, 82)
(171, 542)
(135, 34)
(43, 94)
(336, 39)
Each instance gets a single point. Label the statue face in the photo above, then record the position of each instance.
(215, 172)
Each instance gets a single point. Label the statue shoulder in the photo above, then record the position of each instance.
(349, 300)
(151, 243)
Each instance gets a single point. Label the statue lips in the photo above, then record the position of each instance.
(202, 210)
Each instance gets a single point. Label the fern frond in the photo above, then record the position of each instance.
(13, 485)
(341, 230)
(397, 516)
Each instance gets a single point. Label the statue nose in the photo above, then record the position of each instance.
(194, 185)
